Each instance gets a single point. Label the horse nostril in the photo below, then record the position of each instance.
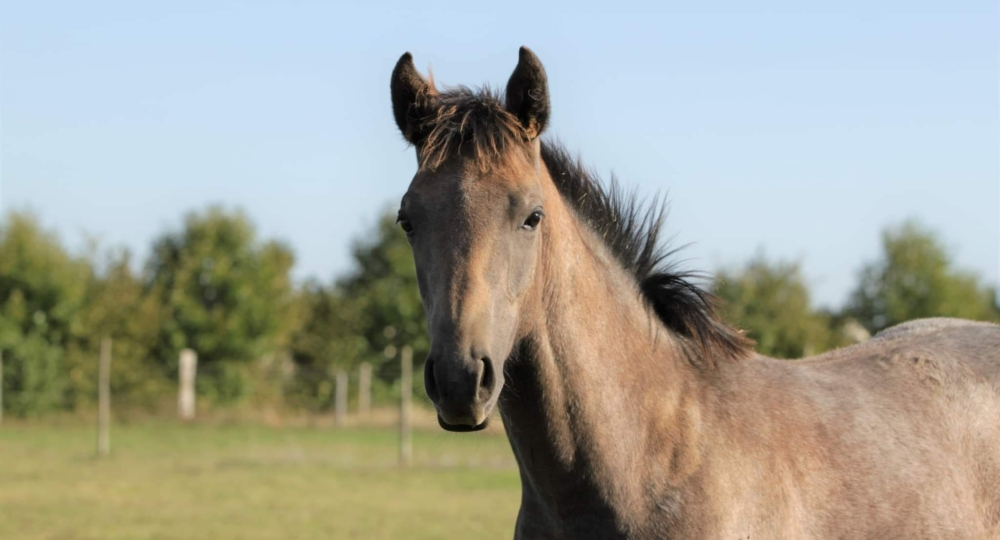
(487, 377)
(430, 383)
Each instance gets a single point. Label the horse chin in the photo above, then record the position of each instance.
(462, 428)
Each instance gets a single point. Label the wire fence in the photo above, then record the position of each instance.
(342, 384)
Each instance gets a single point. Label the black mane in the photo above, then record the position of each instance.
(632, 231)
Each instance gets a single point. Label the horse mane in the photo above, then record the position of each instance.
(478, 123)
(632, 231)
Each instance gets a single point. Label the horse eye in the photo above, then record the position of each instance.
(533, 220)
(406, 226)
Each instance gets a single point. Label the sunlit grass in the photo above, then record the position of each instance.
(172, 481)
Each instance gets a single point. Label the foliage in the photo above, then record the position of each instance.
(118, 307)
(367, 316)
(383, 295)
(914, 278)
(42, 290)
(771, 302)
(325, 341)
(224, 294)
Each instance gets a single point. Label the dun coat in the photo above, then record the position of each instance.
(632, 410)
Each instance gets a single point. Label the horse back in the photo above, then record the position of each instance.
(898, 437)
(939, 378)
(973, 346)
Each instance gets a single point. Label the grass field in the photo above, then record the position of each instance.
(219, 482)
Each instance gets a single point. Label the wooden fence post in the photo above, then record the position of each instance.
(188, 372)
(340, 399)
(364, 391)
(405, 411)
(104, 399)
(1, 386)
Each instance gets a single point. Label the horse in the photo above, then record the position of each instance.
(632, 410)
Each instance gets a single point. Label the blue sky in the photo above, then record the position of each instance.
(798, 128)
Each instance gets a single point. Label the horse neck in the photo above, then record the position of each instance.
(600, 389)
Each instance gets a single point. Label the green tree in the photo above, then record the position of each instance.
(42, 290)
(914, 278)
(224, 294)
(366, 316)
(771, 302)
(383, 295)
(327, 339)
(117, 305)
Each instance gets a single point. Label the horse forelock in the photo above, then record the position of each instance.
(472, 124)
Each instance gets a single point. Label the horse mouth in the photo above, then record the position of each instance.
(462, 428)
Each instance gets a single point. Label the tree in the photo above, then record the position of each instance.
(224, 294)
(42, 290)
(367, 316)
(771, 302)
(914, 278)
(383, 294)
(117, 305)
(327, 339)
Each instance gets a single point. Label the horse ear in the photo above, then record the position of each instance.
(412, 98)
(528, 93)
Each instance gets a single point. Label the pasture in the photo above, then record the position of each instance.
(247, 481)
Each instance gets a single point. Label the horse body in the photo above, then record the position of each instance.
(618, 435)
(632, 411)
(896, 438)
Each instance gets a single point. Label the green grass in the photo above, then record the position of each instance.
(186, 482)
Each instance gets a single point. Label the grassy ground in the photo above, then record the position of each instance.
(219, 482)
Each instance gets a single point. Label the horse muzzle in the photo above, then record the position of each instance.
(463, 390)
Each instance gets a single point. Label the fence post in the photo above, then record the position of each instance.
(405, 412)
(188, 372)
(364, 391)
(104, 399)
(1, 386)
(340, 399)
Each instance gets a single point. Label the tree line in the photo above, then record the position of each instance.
(213, 285)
